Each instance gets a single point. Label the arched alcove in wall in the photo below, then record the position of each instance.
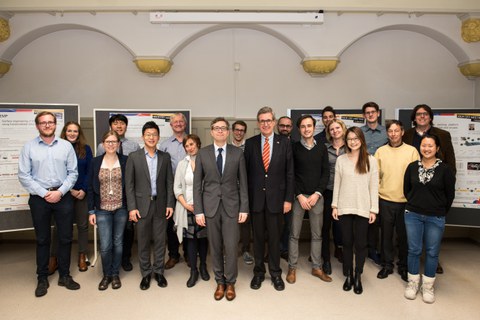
(10, 53)
(260, 28)
(448, 43)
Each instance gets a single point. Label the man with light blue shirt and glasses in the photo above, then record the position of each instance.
(47, 169)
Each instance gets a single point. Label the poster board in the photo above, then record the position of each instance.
(136, 120)
(464, 127)
(17, 126)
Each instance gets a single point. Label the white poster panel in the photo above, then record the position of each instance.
(465, 131)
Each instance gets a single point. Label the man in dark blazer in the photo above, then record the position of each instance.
(150, 202)
(221, 202)
(269, 161)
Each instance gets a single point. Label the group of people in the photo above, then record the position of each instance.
(352, 182)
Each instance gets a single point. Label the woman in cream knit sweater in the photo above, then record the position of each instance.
(355, 203)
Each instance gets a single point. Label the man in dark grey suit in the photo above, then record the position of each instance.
(150, 202)
(220, 200)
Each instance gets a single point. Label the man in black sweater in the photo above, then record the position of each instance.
(311, 177)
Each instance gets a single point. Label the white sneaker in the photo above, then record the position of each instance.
(247, 258)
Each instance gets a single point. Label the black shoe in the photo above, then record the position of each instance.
(103, 285)
(127, 266)
(116, 283)
(193, 278)
(382, 274)
(256, 282)
(161, 281)
(204, 273)
(374, 256)
(145, 284)
(347, 285)
(403, 274)
(278, 283)
(327, 267)
(357, 283)
(439, 269)
(284, 255)
(68, 282)
(42, 287)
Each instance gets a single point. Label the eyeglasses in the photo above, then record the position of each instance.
(286, 126)
(421, 114)
(238, 130)
(46, 123)
(266, 122)
(220, 129)
(150, 135)
(110, 142)
(353, 139)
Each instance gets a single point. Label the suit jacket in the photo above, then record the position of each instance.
(138, 186)
(446, 152)
(93, 193)
(269, 189)
(209, 187)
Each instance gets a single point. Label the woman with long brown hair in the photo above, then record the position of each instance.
(72, 132)
(355, 203)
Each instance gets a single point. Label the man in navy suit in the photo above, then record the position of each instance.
(269, 161)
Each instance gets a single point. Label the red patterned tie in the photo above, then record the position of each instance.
(266, 154)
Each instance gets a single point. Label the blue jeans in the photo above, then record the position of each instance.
(428, 229)
(111, 225)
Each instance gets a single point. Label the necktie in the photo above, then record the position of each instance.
(120, 148)
(220, 160)
(266, 154)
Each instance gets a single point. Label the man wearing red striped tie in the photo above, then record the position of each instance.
(269, 161)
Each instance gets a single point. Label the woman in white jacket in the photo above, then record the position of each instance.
(184, 218)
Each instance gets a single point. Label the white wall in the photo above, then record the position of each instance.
(393, 68)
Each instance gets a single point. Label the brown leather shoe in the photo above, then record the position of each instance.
(82, 262)
(52, 265)
(322, 275)
(230, 294)
(291, 277)
(220, 292)
(171, 263)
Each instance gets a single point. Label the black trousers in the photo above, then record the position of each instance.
(63, 214)
(354, 235)
(267, 225)
(393, 221)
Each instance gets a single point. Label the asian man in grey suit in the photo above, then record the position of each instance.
(220, 200)
(150, 202)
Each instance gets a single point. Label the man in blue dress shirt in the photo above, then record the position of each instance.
(47, 169)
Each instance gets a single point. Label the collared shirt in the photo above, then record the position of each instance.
(224, 153)
(375, 138)
(270, 141)
(152, 163)
(127, 147)
(302, 141)
(42, 166)
(175, 149)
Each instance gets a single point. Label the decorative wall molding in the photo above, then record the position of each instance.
(471, 30)
(4, 29)
(157, 66)
(319, 66)
(470, 69)
(4, 67)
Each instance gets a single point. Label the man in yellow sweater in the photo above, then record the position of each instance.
(393, 158)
